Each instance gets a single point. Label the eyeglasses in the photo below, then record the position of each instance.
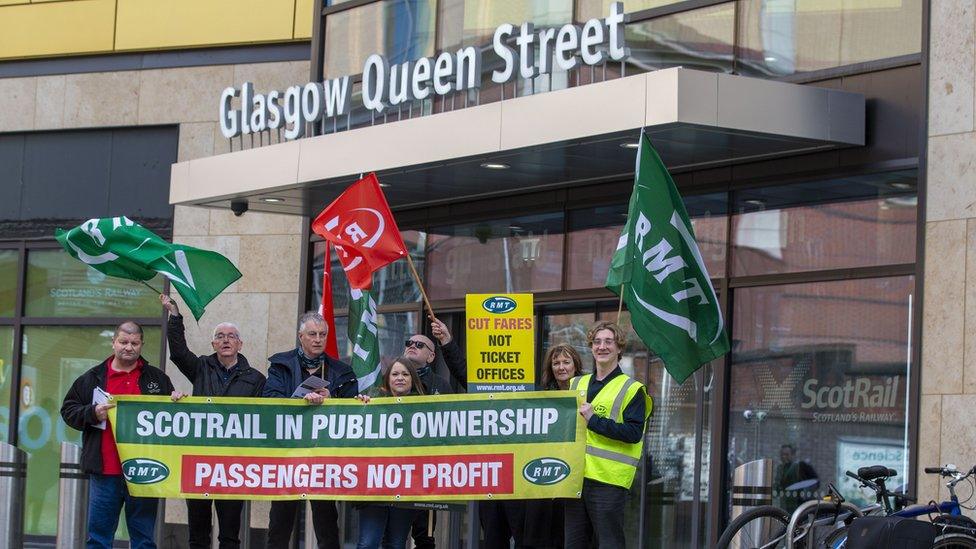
(415, 343)
(221, 337)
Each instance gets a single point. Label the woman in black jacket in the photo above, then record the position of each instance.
(544, 517)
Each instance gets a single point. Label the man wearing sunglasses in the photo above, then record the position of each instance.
(224, 373)
(422, 349)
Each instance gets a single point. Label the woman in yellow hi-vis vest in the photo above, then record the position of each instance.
(616, 412)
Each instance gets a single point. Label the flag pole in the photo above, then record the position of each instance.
(423, 293)
(146, 284)
(620, 304)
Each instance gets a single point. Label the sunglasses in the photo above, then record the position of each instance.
(418, 344)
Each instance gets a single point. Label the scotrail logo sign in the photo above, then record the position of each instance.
(499, 304)
(144, 471)
(545, 471)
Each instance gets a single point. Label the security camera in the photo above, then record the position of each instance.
(238, 207)
(747, 415)
(761, 415)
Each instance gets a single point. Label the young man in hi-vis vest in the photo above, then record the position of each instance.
(616, 412)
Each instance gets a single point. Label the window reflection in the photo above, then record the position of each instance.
(8, 281)
(783, 37)
(588, 9)
(520, 254)
(401, 30)
(6, 371)
(59, 285)
(594, 232)
(53, 358)
(700, 39)
(840, 223)
(819, 382)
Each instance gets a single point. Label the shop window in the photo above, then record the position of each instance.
(53, 357)
(784, 37)
(594, 232)
(847, 222)
(402, 30)
(8, 281)
(60, 286)
(819, 379)
(518, 254)
(699, 39)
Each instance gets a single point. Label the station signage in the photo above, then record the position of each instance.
(500, 342)
(536, 52)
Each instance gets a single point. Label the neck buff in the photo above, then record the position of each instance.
(310, 363)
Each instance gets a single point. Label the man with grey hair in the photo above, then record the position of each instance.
(224, 373)
(287, 371)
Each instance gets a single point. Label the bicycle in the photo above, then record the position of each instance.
(956, 531)
(766, 526)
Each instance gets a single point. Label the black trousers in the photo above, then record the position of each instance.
(422, 539)
(598, 514)
(228, 522)
(284, 517)
(501, 522)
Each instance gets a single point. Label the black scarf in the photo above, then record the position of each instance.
(310, 363)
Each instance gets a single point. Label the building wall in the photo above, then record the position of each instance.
(36, 28)
(266, 248)
(947, 429)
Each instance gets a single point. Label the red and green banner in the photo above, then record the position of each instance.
(440, 448)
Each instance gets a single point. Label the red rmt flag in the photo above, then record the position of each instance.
(361, 227)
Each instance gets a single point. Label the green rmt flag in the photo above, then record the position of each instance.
(364, 338)
(118, 246)
(659, 268)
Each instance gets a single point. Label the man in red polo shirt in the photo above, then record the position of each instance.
(123, 373)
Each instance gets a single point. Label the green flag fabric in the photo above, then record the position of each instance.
(364, 338)
(118, 246)
(659, 268)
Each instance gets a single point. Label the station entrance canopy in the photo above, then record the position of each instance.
(561, 138)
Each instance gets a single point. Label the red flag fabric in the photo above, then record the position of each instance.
(360, 225)
(328, 311)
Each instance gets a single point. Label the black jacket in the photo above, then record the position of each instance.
(204, 371)
(285, 375)
(457, 365)
(79, 412)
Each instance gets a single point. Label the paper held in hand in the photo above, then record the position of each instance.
(310, 385)
(99, 396)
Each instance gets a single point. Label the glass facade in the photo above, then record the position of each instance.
(8, 281)
(818, 375)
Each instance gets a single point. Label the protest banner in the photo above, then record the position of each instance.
(500, 342)
(443, 448)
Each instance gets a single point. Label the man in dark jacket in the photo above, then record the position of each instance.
(420, 348)
(226, 372)
(123, 373)
(287, 371)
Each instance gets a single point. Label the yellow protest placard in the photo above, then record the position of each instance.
(500, 342)
(433, 448)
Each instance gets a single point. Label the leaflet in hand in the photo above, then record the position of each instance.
(310, 385)
(100, 397)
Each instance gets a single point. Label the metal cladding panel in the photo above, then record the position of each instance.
(694, 119)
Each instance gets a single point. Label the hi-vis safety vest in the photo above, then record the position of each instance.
(607, 460)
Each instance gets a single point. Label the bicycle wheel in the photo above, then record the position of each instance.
(815, 521)
(761, 527)
(954, 541)
(837, 539)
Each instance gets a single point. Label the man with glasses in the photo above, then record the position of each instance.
(224, 373)
(287, 371)
(420, 348)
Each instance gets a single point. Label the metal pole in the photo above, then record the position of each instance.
(13, 481)
(72, 499)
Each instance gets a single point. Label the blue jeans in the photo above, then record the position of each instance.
(106, 496)
(384, 524)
